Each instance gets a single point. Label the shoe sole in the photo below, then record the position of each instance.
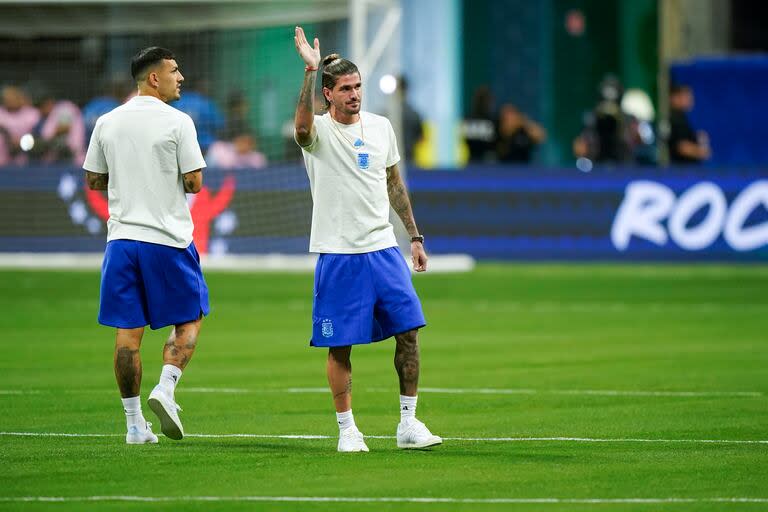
(352, 451)
(168, 426)
(419, 446)
(148, 441)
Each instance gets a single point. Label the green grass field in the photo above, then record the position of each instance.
(658, 370)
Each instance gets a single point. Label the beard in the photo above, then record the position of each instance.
(348, 110)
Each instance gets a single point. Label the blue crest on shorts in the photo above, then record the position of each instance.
(362, 160)
(327, 328)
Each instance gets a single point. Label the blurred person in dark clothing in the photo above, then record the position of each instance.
(237, 115)
(686, 146)
(606, 133)
(516, 136)
(479, 129)
(113, 94)
(413, 129)
(198, 105)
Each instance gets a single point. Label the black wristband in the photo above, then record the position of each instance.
(417, 238)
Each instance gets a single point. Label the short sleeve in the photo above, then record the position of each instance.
(188, 153)
(95, 160)
(393, 155)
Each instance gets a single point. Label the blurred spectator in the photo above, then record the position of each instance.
(203, 111)
(60, 133)
(479, 130)
(606, 133)
(413, 129)
(516, 136)
(17, 118)
(686, 146)
(638, 109)
(112, 97)
(238, 153)
(237, 115)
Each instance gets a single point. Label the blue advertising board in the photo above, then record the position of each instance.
(517, 213)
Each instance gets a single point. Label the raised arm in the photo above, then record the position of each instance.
(305, 109)
(398, 198)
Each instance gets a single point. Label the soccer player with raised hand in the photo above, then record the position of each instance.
(363, 289)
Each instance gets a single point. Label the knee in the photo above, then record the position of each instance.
(185, 335)
(409, 339)
(340, 355)
(128, 339)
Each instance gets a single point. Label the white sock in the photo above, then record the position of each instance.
(345, 420)
(407, 408)
(132, 408)
(169, 378)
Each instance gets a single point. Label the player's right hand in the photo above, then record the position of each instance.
(311, 56)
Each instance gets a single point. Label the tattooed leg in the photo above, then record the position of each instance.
(181, 344)
(407, 362)
(128, 361)
(340, 377)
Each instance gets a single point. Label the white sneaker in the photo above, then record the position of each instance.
(167, 410)
(138, 435)
(351, 440)
(415, 434)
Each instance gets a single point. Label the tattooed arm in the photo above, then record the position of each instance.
(96, 181)
(193, 181)
(398, 198)
(305, 109)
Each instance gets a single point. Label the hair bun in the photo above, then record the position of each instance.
(330, 58)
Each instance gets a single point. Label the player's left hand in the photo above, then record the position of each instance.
(419, 256)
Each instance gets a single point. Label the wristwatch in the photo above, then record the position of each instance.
(417, 238)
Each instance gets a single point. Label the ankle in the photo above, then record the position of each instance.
(407, 408)
(169, 378)
(345, 420)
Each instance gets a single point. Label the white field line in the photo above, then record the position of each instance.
(508, 391)
(559, 439)
(354, 499)
(596, 392)
(601, 307)
(455, 391)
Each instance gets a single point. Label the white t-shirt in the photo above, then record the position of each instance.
(350, 212)
(145, 146)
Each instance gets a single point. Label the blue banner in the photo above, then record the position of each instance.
(607, 214)
(518, 213)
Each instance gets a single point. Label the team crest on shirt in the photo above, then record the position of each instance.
(363, 160)
(327, 328)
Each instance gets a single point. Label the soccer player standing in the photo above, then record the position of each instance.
(145, 155)
(363, 289)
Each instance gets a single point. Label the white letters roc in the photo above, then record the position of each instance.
(647, 204)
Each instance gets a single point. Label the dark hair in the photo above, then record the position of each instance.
(147, 58)
(334, 66)
(677, 88)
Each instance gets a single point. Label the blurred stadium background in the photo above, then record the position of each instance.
(537, 142)
(592, 75)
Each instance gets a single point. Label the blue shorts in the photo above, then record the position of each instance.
(362, 298)
(144, 283)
